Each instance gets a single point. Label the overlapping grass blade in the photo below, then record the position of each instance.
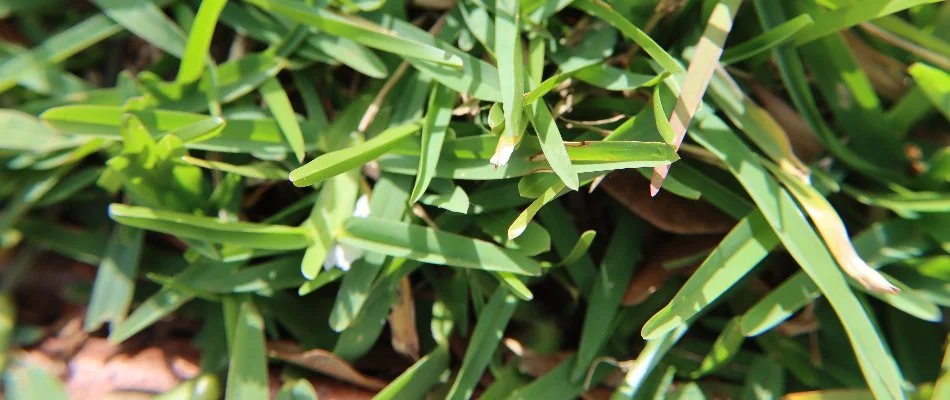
(195, 55)
(146, 20)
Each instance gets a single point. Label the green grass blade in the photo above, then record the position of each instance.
(238, 136)
(935, 83)
(417, 379)
(279, 105)
(358, 30)
(604, 11)
(260, 170)
(340, 161)
(434, 127)
(520, 223)
(552, 144)
(162, 303)
(776, 36)
(431, 246)
(259, 236)
(199, 41)
(806, 247)
(484, 342)
(247, 371)
(115, 279)
(880, 244)
(147, 21)
(741, 251)
(723, 350)
(57, 48)
(766, 380)
(511, 77)
(850, 15)
(648, 359)
(604, 302)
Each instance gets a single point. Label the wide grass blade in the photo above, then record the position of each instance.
(247, 371)
(340, 161)
(146, 20)
(258, 236)
(434, 128)
(279, 105)
(115, 279)
(358, 30)
(195, 55)
(431, 246)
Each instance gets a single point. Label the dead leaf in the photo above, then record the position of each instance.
(652, 274)
(100, 368)
(402, 322)
(666, 211)
(324, 362)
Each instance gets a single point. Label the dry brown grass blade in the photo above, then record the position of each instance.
(805, 143)
(667, 211)
(402, 322)
(324, 362)
(698, 75)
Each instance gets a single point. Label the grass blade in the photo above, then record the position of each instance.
(850, 15)
(358, 30)
(279, 105)
(609, 286)
(258, 236)
(431, 246)
(434, 127)
(511, 77)
(147, 21)
(485, 338)
(775, 37)
(340, 161)
(247, 371)
(199, 41)
(115, 279)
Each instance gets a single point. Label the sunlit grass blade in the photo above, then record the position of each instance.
(484, 342)
(340, 161)
(261, 170)
(358, 30)
(431, 246)
(700, 72)
(742, 249)
(790, 225)
(279, 105)
(552, 144)
(609, 286)
(146, 20)
(935, 83)
(852, 14)
(646, 361)
(274, 237)
(193, 60)
(434, 127)
(511, 75)
(835, 235)
(772, 38)
(603, 10)
(115, 279)
(239, 135)
(880, 244)
(247, 371)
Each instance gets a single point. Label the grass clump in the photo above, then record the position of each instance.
(493, 199)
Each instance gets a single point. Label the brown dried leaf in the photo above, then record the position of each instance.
(100, 368)
(324, 362)
(402, 322)
(651, 276)
(666, 211)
